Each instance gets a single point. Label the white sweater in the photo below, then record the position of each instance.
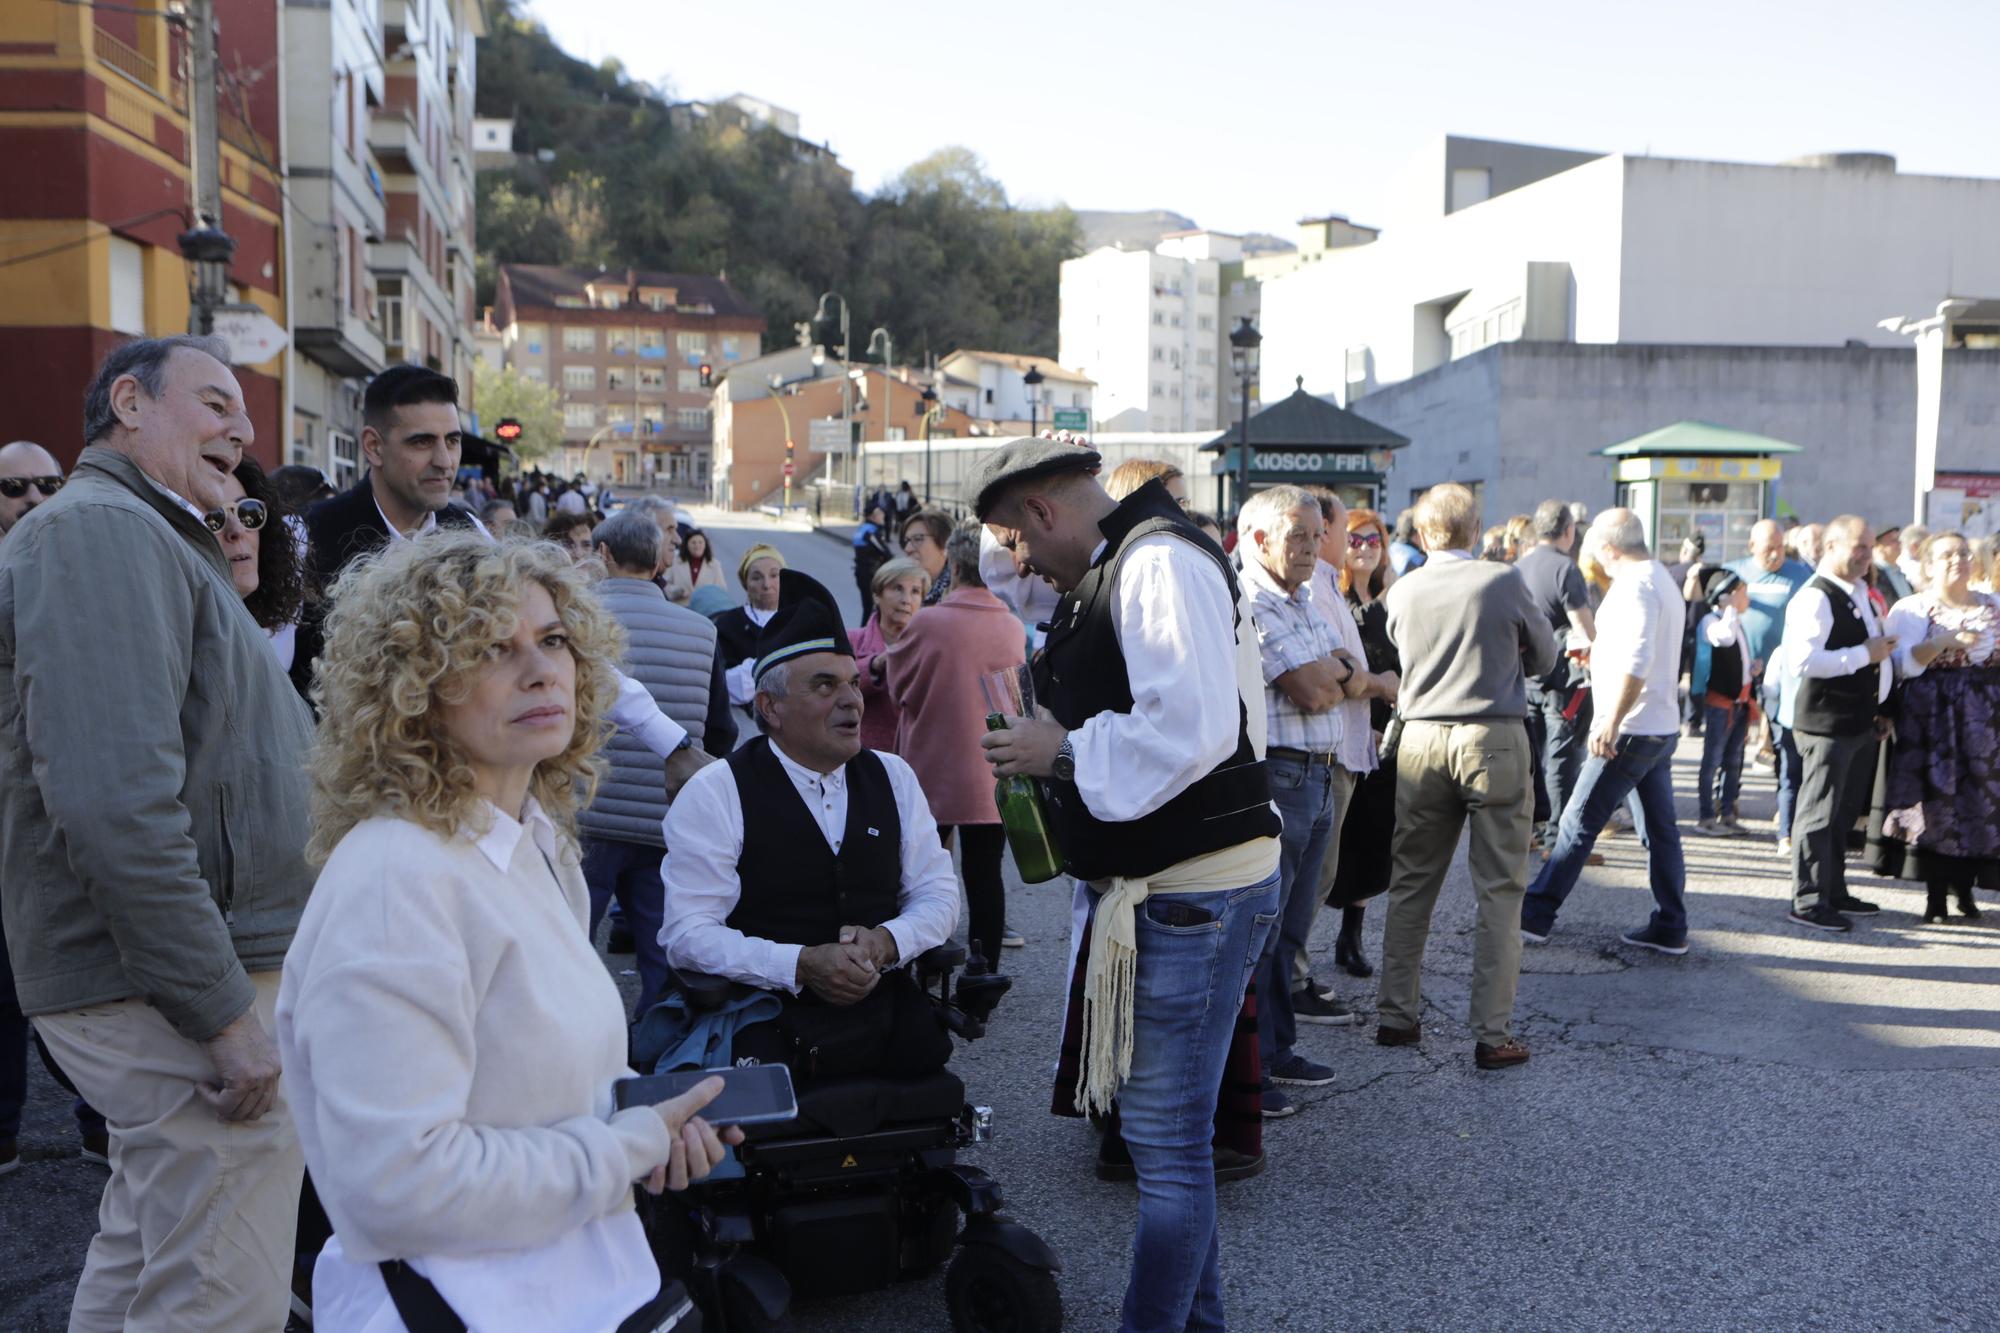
(450, 1040)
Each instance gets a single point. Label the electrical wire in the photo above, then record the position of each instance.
(109, 229)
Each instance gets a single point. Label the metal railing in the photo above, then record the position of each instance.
(128, 60)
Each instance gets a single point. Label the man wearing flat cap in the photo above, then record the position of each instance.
(842, 880)
(1162, 808)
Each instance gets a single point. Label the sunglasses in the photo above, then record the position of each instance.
(249, 513)
(16, 487)
(1357, 540)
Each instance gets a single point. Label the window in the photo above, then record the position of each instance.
(1174, 389)
(579, 416)
(610, 300)
(128, 286)
(656, 301)
(731, 347)
(688, 381)
(1174, 320)
(534, 373)
(346, 458)
(652, 377)
(1204, 356)
(532, 338)
(1174, 358)
(619, 341)
(692, 344)
(577, 339)
(692, 418)
(1076, 399)
(618, 414)
(1159, 319)
(652, 342)
(1159, 389)
(580, 377)
(1159, 354)
(572, 303)
(989, 396)
(1206, 323)
(654, 415)
(1203, 392)
(894, 434)
(617, 377)
(1205, 287)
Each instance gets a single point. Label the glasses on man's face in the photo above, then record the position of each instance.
(250, 515)
(16, 487)
(1358, 540)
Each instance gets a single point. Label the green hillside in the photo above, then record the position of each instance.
(939, 257)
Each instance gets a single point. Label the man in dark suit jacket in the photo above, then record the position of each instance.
(410, 435)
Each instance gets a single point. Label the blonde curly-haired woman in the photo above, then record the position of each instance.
(450, 1037)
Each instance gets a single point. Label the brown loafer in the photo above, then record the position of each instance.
(1388, 1036)
(1504, 1056)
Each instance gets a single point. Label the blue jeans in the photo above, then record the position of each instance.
(1641, 766)
(1304, 795)
(1722, 759)
(1188, 989)
(14, 1032)
(630, 872)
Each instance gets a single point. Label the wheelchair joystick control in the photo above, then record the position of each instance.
(980, 1121)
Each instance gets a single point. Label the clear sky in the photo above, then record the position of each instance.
(1246, 117)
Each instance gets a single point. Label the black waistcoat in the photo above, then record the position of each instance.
(1839, 705)
(795, 890)
(1725, 670)
(1081, 673)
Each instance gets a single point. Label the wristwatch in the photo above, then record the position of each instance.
(1064, 768)
(687, 743)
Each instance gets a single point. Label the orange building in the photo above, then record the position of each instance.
(750, 434)
(93, 131)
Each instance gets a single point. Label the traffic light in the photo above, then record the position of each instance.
(507, 430)
(707, 375)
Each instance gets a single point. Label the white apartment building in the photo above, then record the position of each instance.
(1146, 326)
(993, 386)
(1525, 306)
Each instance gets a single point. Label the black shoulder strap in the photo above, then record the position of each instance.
(417, 1302)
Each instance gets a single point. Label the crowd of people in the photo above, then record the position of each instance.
(305, 785)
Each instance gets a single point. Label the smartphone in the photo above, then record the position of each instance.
(751, 1094)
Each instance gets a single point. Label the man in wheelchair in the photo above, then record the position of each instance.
(810, 868)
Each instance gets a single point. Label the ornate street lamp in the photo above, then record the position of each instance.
(929, 409)
(1033, 379)
(1244, 341)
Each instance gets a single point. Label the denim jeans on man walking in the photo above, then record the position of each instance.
(630, 872)
(1562, 741)
(1721, 781)
(1641, 765)
(1187, 990)
(1303, 792)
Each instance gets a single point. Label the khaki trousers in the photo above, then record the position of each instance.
(1343, 794)
(195, 1228)
(1448, 773)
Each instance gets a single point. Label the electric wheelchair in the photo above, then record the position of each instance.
(862, 1190)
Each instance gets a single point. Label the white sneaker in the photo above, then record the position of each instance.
(1785, 847)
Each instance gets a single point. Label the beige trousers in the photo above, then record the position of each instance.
(1343, 792)
(1449, 773)
(196, 1226)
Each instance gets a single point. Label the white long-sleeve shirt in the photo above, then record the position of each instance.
(1808, 622)
(1639, 634)
(450, 1042)
(1175, 626)
(704, 834)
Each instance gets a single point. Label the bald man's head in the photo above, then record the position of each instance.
(1767, 544)
(29, 474)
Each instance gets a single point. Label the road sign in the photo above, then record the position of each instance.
(252, 335)
(827, 435)
(1070, 418)
(788, 468)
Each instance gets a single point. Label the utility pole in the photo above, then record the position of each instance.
(205, 246)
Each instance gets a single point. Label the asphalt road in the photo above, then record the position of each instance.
(1779, 1130)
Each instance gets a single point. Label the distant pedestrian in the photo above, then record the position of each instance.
(1635, 665)
(871, 549)
(499, 518)
(1773, 579)
(1404, 553)
(1469, 637)
(571, 532)
(29, 476)
(739, 626)
(1369, 829)
(1559, 701)
(1888, 570)
(1836, 646)
(704, 570)
(1723, 672)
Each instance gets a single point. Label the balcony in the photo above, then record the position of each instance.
(338, 339)
(392, 137)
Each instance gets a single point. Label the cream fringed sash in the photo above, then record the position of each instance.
(1110, 984)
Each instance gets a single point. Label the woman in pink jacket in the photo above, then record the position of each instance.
(933, 679)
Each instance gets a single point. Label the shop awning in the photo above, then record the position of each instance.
(1697, 439)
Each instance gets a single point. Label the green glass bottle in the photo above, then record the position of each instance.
(1027, 824)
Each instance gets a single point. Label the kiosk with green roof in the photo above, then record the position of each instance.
(1694, 476)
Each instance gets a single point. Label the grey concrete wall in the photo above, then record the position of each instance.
(1525, 419)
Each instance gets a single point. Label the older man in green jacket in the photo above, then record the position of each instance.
(152, 826)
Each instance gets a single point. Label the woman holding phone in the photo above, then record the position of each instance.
(451, 1040)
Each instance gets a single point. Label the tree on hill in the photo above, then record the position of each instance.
(940, 257)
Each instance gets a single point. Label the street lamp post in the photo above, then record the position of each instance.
(846, 385)
(1033, 379)
(778, 397)
(1244, 341)
(887, 358)
(930, 401)
(1930, 334)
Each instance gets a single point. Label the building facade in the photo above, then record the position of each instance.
(1146, 327)
(94, 133)
(626, 351)
(993, 387)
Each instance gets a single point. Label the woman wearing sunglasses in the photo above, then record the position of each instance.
(1365, 834)
(270, 576)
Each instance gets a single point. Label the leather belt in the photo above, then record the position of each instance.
(1302, 756)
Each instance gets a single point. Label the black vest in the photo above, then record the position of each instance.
(1081, 673)
(1839, 705)
(795, 890)
(1725, 670)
